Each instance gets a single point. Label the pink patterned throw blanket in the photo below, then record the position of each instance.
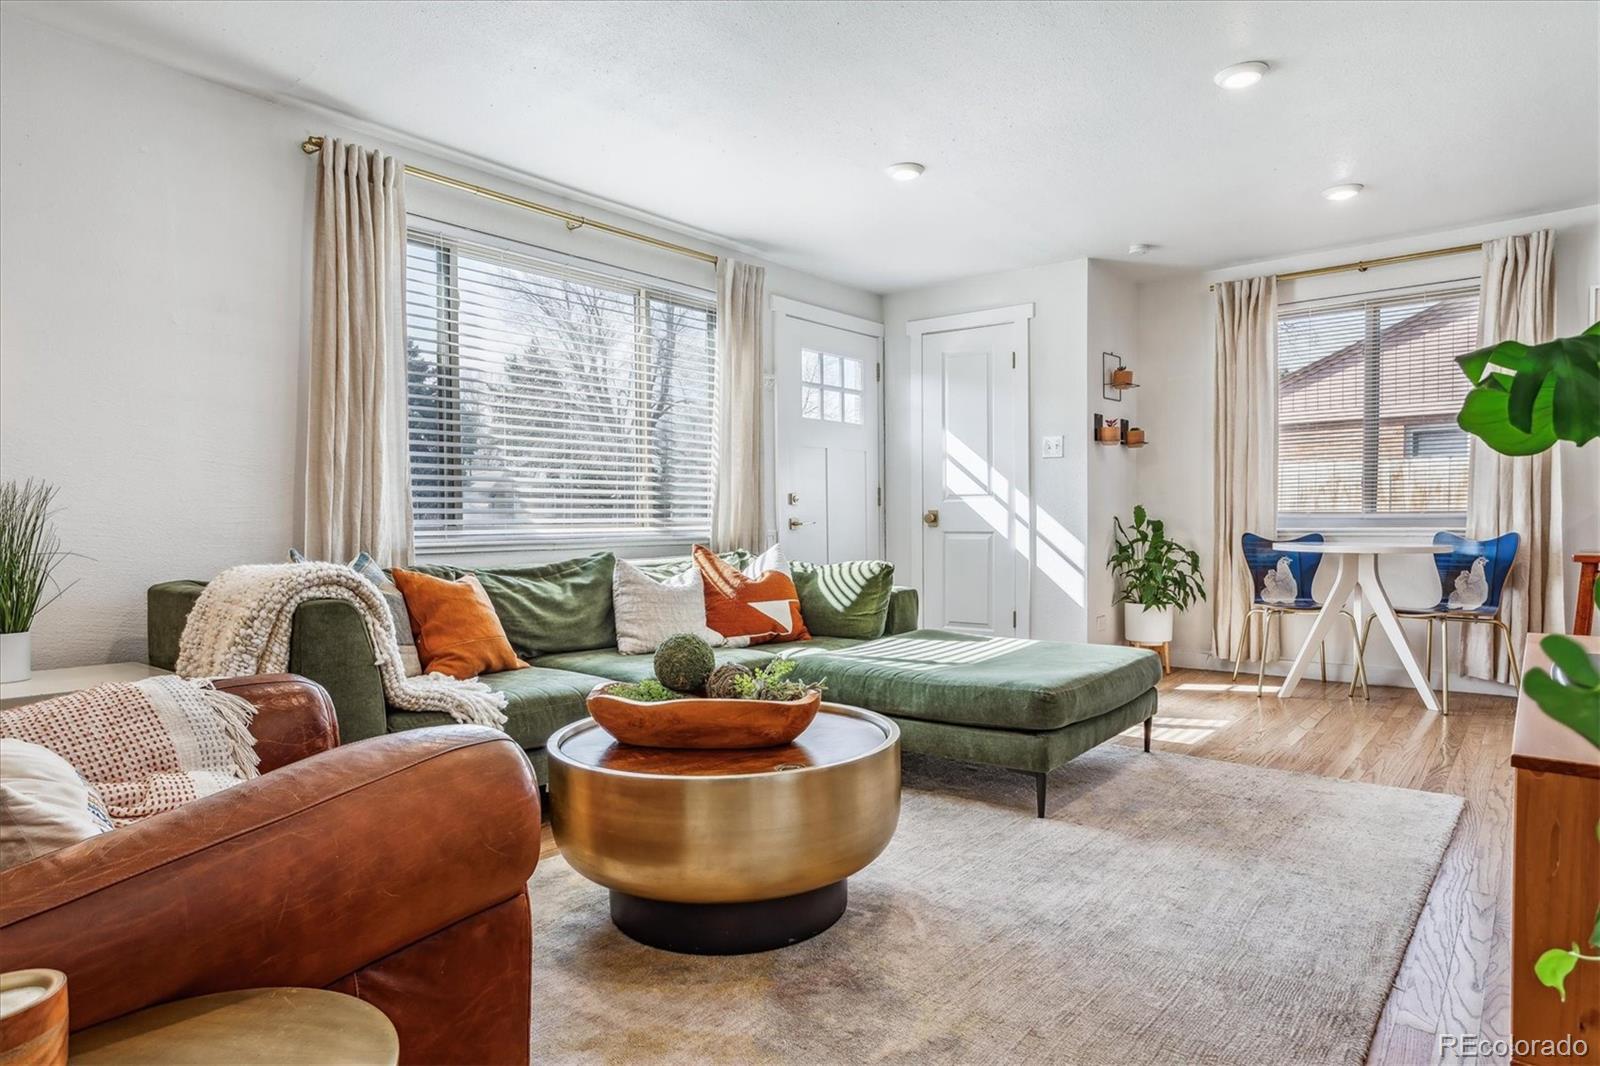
(145, 746)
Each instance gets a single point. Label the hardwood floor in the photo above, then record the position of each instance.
(1455, 977)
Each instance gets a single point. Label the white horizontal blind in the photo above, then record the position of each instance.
(551, 405)
(1368, 391)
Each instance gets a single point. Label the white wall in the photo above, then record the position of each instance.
(1113, 475)
(1175, 334)
(1058, 338)
(154, 314)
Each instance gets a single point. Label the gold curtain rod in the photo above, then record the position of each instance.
(313, 145)
(1366, 264)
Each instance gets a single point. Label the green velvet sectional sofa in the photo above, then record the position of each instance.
(1018, 704)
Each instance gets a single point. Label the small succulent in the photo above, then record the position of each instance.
(723, 682)
(647, 691)
(771, 682)
(684, 661)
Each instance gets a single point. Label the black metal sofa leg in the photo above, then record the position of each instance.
(1147, 725)
(1041, 782)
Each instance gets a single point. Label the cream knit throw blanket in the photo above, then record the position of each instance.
(144, 747)
(240, 625)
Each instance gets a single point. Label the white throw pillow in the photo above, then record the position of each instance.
(649, 611)
(44, 804)
(771, 559)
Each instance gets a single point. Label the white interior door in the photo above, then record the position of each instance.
(828, 440)
(972, 450)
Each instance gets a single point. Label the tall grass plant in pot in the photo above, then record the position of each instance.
(30, 553)
(1156, 578)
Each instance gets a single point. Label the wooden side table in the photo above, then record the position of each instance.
(284, 1026)
(33, 1018)
(1555, 874)
(1583, 610)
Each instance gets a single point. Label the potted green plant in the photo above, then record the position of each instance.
(1156, 578)
(29, 555)
(1524, 399)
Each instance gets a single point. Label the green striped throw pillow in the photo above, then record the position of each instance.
(844, 599)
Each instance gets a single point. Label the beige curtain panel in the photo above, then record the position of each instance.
(736, 507)
(357, 471)
(1245, 435)
(1517, 493)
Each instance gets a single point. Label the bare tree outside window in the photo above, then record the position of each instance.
(552, 405)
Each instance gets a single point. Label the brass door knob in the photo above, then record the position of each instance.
(930, 517)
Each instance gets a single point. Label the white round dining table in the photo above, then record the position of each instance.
(1358, 588)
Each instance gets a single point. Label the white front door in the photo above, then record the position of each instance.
(974, 441)
(828, 438)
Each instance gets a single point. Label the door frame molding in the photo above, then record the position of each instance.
(788, 307)
(1016, 316)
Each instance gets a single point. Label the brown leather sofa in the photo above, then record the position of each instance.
(394, 869)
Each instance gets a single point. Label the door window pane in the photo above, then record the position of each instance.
(810, 402)
(830, 370)
(810, 366)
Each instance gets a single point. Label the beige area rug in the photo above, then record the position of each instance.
(1171, 909)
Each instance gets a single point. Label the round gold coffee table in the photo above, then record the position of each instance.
(727, 852)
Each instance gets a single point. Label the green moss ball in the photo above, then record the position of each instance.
(683, 662)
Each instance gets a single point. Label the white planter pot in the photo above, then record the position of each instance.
(16, 656)
(1146, 626)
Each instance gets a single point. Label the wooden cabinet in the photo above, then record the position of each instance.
(1555, 879)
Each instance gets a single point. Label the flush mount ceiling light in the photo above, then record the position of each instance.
(905, 171)
(1241, 75)
(1138, 248)
(1347, 191)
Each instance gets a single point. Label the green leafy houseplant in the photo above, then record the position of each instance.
(1152, 570)
(1524, 399)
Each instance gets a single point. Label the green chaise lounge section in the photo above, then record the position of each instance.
(1026, 705)
(1022, 705)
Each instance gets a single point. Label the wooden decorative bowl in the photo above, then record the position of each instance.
(698, 722)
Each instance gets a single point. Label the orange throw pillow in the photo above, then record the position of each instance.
(455, 626)
(752, 607)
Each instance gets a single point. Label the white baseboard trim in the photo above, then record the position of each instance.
(1394, 676)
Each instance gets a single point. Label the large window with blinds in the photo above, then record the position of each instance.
(552, 403)
(1367, 395)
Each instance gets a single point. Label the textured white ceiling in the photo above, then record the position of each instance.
(1050, 131)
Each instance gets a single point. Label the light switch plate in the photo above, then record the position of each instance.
(1052, 448)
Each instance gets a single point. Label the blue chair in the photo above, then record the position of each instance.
(1472, 576)
(1282, 582)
